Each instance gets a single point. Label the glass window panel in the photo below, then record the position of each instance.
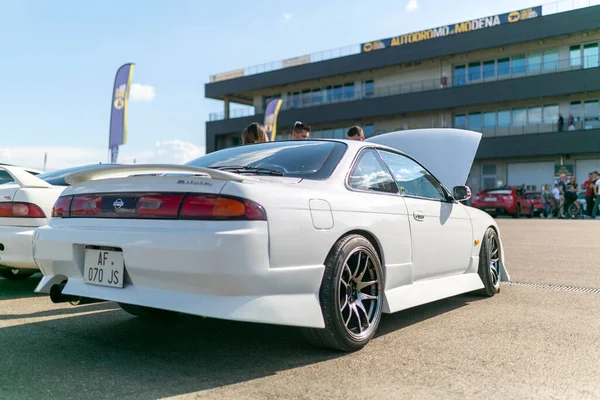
(576, 110)
(475, 121)
(519, 116)
(551, 60)
(519, 64)
(590, 55)
(591, 113)
(474, 71)
(489, 119)
(339, 133)
(460, 121)
(368, 88)
(550, 112)
(504, 118)
(534, 115)
(337, 92)
(369, 130)
(327, 95)
(349, 90)
(534, 62)
(488, 169)
(460, 75)
(371, 174)
(489, 69)
(575, 54)
(503, 66)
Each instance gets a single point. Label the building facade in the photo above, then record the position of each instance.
(509, 76)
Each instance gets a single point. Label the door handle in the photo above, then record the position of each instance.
(418, 216)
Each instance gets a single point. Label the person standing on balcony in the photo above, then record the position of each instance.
(571, 122)
(561, 123)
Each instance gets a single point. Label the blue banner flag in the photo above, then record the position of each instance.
(118, 110)
(271, 113)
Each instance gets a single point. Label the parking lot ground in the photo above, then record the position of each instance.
(526, 342)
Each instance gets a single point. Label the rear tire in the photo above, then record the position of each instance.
(15, 274)
(146, 312)
(351, 296)
(489, 263)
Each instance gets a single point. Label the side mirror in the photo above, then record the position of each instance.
(461, 193)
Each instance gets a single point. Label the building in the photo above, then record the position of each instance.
(509, 76)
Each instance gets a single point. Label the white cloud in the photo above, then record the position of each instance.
(287, 16)
(141, 92)
(411, 5)
(165, 152)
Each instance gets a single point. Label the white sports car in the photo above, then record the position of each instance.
(26, 200)
(320, 234)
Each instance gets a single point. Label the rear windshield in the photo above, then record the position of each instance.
(298, 158)
(499, 192)
(534, 195)
(57, 177)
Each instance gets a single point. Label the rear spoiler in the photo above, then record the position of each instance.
(23, 178)
(124, 171)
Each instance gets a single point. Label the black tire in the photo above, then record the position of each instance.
(146, 312)
(491, 283)
(518, 212)
(337, 305)
(15, 274)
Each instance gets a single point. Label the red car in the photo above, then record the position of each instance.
(504, 201)
(538, 205)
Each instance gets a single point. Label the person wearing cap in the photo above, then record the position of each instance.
(301, 131)
(356, 133)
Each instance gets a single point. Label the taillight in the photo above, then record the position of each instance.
(61, 207)
(217, 207)
(159, 205)
(21, 210)
(86, 205)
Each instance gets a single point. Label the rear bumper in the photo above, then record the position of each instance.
(194, 267)
(493, 209)
(17, 243)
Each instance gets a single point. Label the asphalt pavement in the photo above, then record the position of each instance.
(538, 339)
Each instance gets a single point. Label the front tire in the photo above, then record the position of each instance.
(15, 274)
(489, 263)
(146, 312)
(351, 296)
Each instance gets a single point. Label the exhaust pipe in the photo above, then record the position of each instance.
(57, 296)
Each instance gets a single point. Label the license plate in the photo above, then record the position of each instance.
(103, 267)
(491, 199)
(490, 209)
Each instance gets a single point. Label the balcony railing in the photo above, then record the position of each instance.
(343, 95)
(547, 9)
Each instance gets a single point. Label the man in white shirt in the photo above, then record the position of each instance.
(556, 202)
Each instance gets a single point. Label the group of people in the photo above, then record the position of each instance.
(256, 133)
(563, 196)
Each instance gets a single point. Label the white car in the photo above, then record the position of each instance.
(26, 200)
(319, 234)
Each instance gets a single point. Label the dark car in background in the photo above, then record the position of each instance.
(504, 201)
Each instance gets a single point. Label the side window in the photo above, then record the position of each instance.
(412, 178)
(369, 173)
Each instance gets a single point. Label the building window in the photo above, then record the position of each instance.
(460, 121)
(591, 114)
(534, 115)
(368, 89)
(504, 118)
(550, 113)
(534, 62)
(369, 130)
(327, 95)
(460, 77)
(489, 69)
(475, 121)
(551, 60)
(577, 112)
(349, 91)
(338, 93)
(488, 176)
(590, 55)
(519, 64)
(489, 119)
(519, 116)
(575, 54)
(317, 97)
(503, 67)
(474, 72)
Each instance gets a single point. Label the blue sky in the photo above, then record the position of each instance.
(60, 58)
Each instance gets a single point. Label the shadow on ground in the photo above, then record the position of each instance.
(113, 355)
(19, 289)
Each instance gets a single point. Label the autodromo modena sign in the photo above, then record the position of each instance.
(461, 27)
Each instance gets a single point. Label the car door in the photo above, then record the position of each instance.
(441, 230)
